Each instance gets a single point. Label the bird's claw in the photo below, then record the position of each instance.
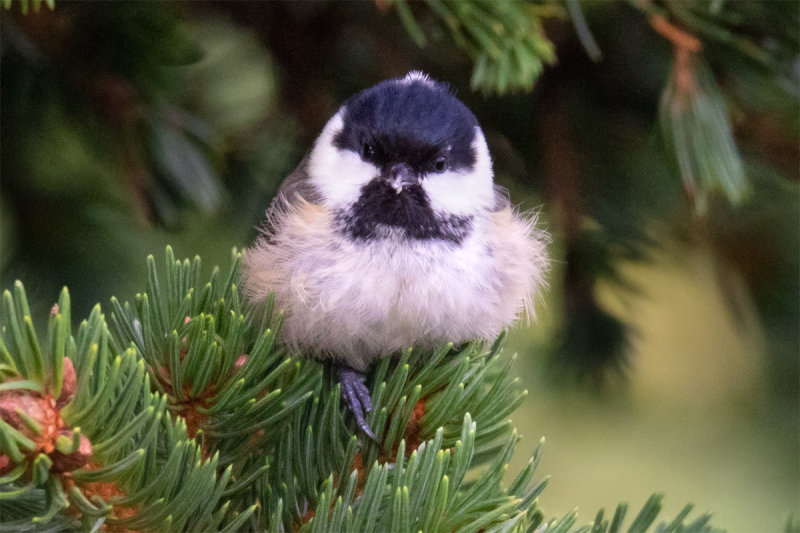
(356, 396)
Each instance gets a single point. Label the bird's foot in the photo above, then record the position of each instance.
(356, 396)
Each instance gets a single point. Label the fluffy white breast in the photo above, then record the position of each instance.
(359, 300)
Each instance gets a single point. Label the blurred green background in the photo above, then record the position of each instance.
(665, 355)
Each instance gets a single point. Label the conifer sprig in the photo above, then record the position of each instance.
(83, 439)
(189, 415)
(505, 40)
(227, 377)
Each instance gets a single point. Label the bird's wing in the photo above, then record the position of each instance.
(296, 185)
(295, 189)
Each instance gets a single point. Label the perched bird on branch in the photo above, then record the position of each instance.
(391, 233)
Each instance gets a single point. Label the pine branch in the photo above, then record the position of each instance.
(504, 40)
(695, 125)
(84, 441)
(693, 114)
(188, 415)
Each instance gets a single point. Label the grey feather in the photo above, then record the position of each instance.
(296, 184)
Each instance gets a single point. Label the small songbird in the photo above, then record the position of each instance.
(391, 233)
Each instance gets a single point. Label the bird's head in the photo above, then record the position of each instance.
(405, 155)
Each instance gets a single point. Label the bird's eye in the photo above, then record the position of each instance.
(440, 164)
(367, 151)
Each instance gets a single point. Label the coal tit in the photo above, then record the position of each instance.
(391, 233)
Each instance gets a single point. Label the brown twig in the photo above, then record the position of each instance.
(678, 37)
(685, 46)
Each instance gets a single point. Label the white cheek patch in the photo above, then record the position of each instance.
(464, 193)
(338, 174)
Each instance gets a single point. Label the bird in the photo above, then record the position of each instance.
(391, 233)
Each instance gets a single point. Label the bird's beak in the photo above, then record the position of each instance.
(400, 175)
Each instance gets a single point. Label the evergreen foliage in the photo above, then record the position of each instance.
(187, 415)
(179, 412)
(504, 40)
(29, 5)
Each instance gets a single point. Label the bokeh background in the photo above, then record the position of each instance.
(664, 357)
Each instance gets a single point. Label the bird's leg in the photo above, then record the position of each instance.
(356, 396)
